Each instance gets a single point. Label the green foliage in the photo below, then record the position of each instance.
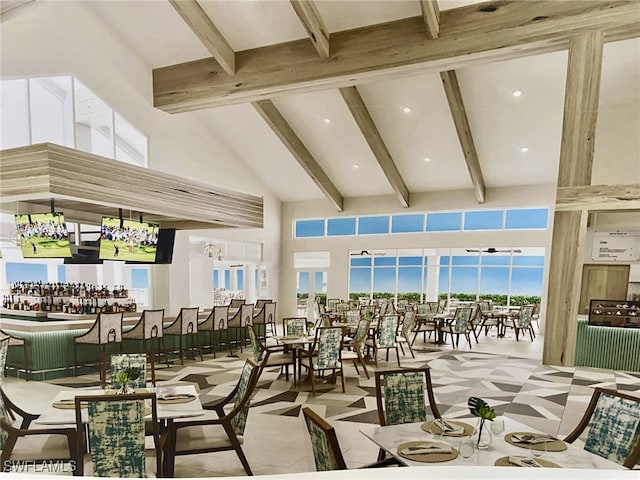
(127, 375)
(481, 409)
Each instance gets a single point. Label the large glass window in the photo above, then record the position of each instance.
(407, 223)
(444, 222)
(309, 228)
(26, 272)
(373, 225)
(139, 278)
(483, 220)
(341, 226)
(527, 218)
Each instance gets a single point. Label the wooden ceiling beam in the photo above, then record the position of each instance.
(311, 19)
(459, 115)
(9, 8)
(472, 35)
(371, 134)
(272, 116)
(599, 197)
(431, 16)
(200, 23)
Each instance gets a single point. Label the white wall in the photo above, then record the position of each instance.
(69, 38)
(533, 196)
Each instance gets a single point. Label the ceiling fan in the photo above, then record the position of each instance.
(495, 250)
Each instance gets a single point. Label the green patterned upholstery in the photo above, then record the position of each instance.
(387, 331)
(116, 437)
(328, 348)
(353, 316)
(255, 345)
(295, 326)
(367, 311)
(331, 304)
(404, 398)
(323, 453)
(461, 320)
(342, 307)
(240, 420)
(614, 428)
(523, 320)
(423, 309)
(4, 348)
(362, 331)
(120, 362)
(409, 324)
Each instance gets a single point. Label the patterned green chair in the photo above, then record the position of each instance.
(324, 442)
(522, 321)
(400, 397)
(119, 362)
(407, 331)
(215, 434)
(356, 345)
(324, 354)
(116, 435)
(610, 427)
(424, 320)
(460, 324)
(385, 337)
(269, 356)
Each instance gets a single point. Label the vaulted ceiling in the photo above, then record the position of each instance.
(338, 99)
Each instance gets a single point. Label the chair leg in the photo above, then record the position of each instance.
(313, 380)
(75, 359)
(397, 355)
(243, 460)
(364, 366)
(342, 377)
(410, 349)
(402, 348)
(198, 347)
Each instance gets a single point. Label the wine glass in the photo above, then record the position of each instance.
(497, 426)
(466, 447)
(436, 432)
(538, 450)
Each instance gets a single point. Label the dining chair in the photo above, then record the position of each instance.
(272, 356)
(265, 317)
(188, 437)
(106, 330)
(324, 442)
(385, 337)
(459, 324)
(239, 323)
(354, 346)
(236, 302)
(400, 397)
(331, 304)
(610, 427)
(521, 322)
(323, 355)
(119, 362)
(261, 302)
(148, 328)
(487, 318)
(115, 443)
(216, 321)
(407, 331)
(22, 444)
(185, 327)
(424, 320)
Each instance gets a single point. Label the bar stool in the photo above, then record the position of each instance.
(185, 325)
(240, 320)
(26, 364)
(149, 327)
(216, 321)
(266, 317)
(106, 330)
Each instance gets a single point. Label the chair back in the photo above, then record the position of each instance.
(342, 307)
(368, 311)
(462, 319)
(387, 331)
(433, 307)
(120, 362)
(408, 324)
(331, 304)
(261, 302)
(244, 391)
(256, 345)
(294, 325)
(352, 316)
(188, 320)
(612, 425)
(270, 312)
(400, 395)
(108, 327)
(423, 309)
(362, 331)
(220, 317)
(116, 438)
(485, 306)
(152, 323)
(246, 314)
(324, 443)
(236, 302)
(4, 413)
(327, 343)
(258, 317)
(523, 320)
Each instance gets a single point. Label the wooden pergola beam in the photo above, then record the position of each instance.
(479, 33)
(272, 116)
(582, 93)
(599, 197)
(371, 134)
(431, 16)
(311, 19)
(459, 115)
(200, 23)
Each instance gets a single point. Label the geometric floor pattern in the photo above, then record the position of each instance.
(550, 399)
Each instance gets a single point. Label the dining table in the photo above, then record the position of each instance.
(391, 437)
(295, 343)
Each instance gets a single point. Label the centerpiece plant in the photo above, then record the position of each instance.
(483, 411)
(125, 377)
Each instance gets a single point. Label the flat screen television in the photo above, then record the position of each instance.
(128, 240)
(164, 250)
(43, 235)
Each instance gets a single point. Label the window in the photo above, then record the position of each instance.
(240, 279)
(341, 226)
(62, 274)
(444, 222)
(309, 228)
(483, 220)
(216, 279)
(527, 218)
(373, 225)
(94, 122)
(26, 272)
(407, 223)
(51, 104)
(139, 278)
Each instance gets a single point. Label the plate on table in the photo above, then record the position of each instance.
(524, 462)
(169, 398)
(535, 441)
(419, 451)
(454, 431)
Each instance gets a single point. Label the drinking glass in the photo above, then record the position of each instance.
(436, 432)
(466, 447)
(538, 450)
(497, 426)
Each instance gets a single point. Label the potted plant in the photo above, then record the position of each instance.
(126, 376)
(483, 411)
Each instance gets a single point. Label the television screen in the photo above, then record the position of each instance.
(43, 235)
(128, 240)
(164, 250)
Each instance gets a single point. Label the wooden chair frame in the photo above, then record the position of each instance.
(102, 342)
(176, 329)
(330, 433)
(141, 327)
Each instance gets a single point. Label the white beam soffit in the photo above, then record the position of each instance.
(86, 186)
(472, 35)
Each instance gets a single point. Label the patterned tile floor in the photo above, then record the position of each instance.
(507, 374)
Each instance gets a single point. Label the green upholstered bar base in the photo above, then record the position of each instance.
(608, 347)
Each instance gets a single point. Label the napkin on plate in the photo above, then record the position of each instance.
(531, 438)
(524, 462)
(449, 429)
(175, 396)
(426, 447)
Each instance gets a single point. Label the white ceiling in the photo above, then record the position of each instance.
(500, 123)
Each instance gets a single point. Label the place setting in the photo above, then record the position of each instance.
(538, 445)
(447, 428)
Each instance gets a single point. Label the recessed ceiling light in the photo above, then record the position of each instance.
(356, 166)
(326, 120)
(516, 93)
(524, 149)
(427, 159)
(406, 109)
